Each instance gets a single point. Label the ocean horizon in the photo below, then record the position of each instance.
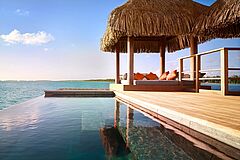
(15, 92)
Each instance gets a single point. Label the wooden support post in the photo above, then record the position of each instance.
(193, 51)
(180, 69)
(130, 48)
(117, 78)
(116, 113)
(224, 71)
(198, 67)
(162, 57)
(129, 124)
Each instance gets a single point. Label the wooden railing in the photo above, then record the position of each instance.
(224, 69)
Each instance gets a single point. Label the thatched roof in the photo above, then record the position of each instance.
(149, 22)
(222, 20)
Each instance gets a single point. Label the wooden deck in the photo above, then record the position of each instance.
(208, 113)
(157, 88)
(74, 92)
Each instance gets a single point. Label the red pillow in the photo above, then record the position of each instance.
(172, 76)
(164, 76)
(151, 76)
(138, 76)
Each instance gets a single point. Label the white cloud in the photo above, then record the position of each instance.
(38, 38)
(22, 12)
(46, 49)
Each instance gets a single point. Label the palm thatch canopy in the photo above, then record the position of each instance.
(150, 22)
(222, 20)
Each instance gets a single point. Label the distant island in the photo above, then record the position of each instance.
(235, 79)
(101, 80)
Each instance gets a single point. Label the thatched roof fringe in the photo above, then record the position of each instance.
(222, 20)
(180, 42)
(148, 46)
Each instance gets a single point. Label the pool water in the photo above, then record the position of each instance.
(87, 128)
(56, 128)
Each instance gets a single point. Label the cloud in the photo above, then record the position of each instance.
(38, 38)
(46, 49)
(22, 12)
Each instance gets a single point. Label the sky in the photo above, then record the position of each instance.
(60, 40)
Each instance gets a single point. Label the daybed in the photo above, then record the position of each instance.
(158, 85)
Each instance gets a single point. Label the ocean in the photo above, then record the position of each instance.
(216, 86)
(14, 92)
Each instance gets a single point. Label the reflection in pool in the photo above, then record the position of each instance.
(148, 138)
(89, 128)
(113, 143)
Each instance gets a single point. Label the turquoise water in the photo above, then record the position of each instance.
(217, 86)
(91, 129)
(14, 92)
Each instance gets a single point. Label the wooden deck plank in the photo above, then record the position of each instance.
(229, 119)
(190, 104)
(193, 104)
(223, 112)
(231, 108)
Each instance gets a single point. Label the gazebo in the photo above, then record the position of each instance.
(221, 20)
(151, 26)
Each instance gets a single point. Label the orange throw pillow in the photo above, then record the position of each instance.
(172, 76)
(164, 76)
(138, 76)
(151, 76)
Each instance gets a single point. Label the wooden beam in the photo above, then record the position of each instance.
(162, 57)
(130, 48)
(193, 51)
(198, 68)
(117, 78)
(180, 69)
(224, 71)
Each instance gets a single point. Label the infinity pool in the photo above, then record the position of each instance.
(87, 128)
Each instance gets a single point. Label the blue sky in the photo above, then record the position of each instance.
(50, 39)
